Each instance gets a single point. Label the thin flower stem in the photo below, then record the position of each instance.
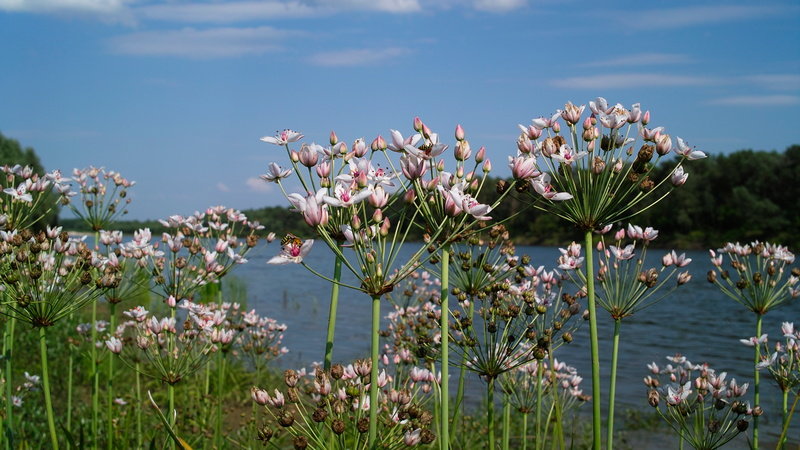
(490, 414)
(613, 388)
(373, 384)
(596, 414)
(110, 382)
(445, 332)
(525, 431)
(7, 352)
(95, 372)
(782, 438)
(51, 424)
(756, 379)
(539, 434)
(785, 411)
(138, 406)
(220, 383)
(70, 366)
(459, 394)
(506, 421)
(337, 276)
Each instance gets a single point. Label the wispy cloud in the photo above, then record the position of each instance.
(357, 57)
(630, 80)
(498, 6)
(757, 100)
(641, 59)
(194, 43)
(689, 16)
(256, 184)
(222, 187)
(108, 10)
(781, 82)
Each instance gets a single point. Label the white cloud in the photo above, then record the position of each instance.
(641, 59)
(256, 184)
(226, 12)
(222, 187)
(630, 80)
(696, 15)
(108, 10)
(781, 82)
(357, 57)
(194, 43)
(757, 100)
(498, 6)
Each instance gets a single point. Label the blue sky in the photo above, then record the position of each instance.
(176, 94)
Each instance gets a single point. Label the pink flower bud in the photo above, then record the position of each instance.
(556, 127)
(378, 144)
(355, 223)
(359, 148)
(620, 235)
(440, 165)
(487, 166)
(410, 196)
(460, 172)
(260, 396)
(377, 216)
(271, 237)
(417, 124)
(171, 302)
(324, 169)
(462, 151)
(385, 227)
(646, 118)
(481, 155)
(426, 132)
(333, 139)
(459, 133)
(294, 156)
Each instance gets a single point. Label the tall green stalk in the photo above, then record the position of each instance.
(756, 380)
(51, 424)
(539, 431)
(95, 368)
(597, 438)
(445, 339)
(8, 350)
(373, 383)
(337, 276)
(785, 415)
(524, 431)
(220, 380)
(70, 369)
(110, 383)
(506, 421)
(138, 406)
(490, 414)
(613, 388)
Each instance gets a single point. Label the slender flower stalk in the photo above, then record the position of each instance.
(445, 335)
(46, 385)
(765, 281)
(337, 278)
(600, 181)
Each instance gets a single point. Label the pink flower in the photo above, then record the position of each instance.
(398, 143)
(523, 167)
(114, 345)
(413, 167)
(282, 138)
(688, 152)
(541, 185)
(314, 209)
(292, 251)
(345, 197)
(678, 177)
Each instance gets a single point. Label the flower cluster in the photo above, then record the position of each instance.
(199, 249)
(701, 405)
(593, 162)
(537, 380)
(103, 196)
(172, 352)
(339, 401)
(413, 332)
(47, 275)
(26, 193)
(764, 279)
(783, 363)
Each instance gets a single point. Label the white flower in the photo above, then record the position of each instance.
(292, 251)
(282, 138)
(688, 152)
(275, 173)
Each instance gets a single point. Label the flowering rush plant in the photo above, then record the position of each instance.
(592, 174)
(329, 408)
(705, 408)
(102, 196)
(197, 250)
(25, 192)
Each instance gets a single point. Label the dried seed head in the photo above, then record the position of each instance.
(363, 425)
(300, 442)
(337, 426)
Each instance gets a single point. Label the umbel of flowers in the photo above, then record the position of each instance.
(783, 365)
(353, 202)
(626, 284)
(594, 171)
(704, 407)
(757, 276)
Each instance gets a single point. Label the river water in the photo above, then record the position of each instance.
(697, 321)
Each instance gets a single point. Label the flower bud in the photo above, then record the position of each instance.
(417, 124)
(462, 151)
(652, 398)
(333, 139)
(556, 127)
(487, 166)
(378, 144)
(646, 118)
(294, 156)
(359, 148)
(481, 155)
(410, 196)
(742, 425)
(459, 133)
(377, 216)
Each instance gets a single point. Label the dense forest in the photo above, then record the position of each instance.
(740, 196)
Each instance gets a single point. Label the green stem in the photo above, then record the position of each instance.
(596, 414)
(786, 423)
(459, 395)
(506, 421)
(70, 368)
(220, 383)
(95, 379)
(8, 352)
(558, 426)
(785, 410)
(613, 388)
(171, 417)
(445, 331)
(490, 414)
(51, 424)
(110, 383)
(539, 434)
(373, 383)
(756, 380)
(525, 431)
(138, 406)
(337, 276)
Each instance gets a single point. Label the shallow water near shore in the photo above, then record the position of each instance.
(697, 321)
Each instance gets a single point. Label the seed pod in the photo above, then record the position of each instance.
(337, 426)
(362, 425)
(300, 442)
